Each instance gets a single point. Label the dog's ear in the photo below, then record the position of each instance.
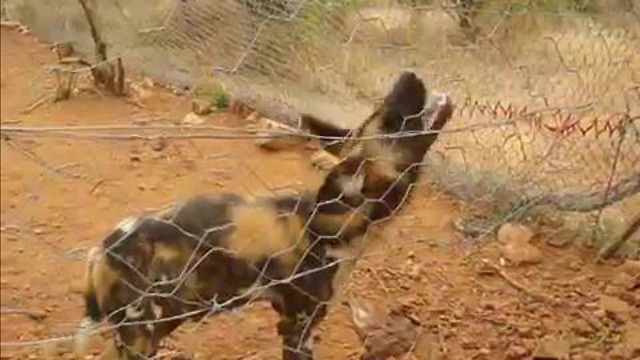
(408, 95)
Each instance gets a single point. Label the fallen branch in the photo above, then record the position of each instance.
(37, 315)
(517, 285)
(36, 104)
(613, 247)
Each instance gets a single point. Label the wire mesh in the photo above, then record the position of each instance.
(547, 101)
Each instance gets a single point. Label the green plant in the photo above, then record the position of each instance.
(221, 99)
(214, 91)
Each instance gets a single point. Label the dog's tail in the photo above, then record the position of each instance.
(93, 315)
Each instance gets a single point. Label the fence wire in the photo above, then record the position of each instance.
(547, 117)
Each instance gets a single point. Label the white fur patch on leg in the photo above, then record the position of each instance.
(308, 344)
(82, 337)
(94, 254)
(352, 184)
(127, 225)
(133, 313)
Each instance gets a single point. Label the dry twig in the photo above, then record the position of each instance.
(516, 284)
(33, 314)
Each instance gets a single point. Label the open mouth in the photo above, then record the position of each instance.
(436, 101)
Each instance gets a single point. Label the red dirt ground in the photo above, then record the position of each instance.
(55, 208)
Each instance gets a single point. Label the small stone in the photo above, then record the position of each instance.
(252, 118)
(139, 92)
(148, 82)
(575, 265)
(510, 233)
(619, 352)
(201, 106)
(625, 280)
(484, 352)
(558, 241)
(468, 344)
(521, 254)
(631, 267)
(592, 355)
(134, 158)
(193, 119)
(582, 328)
(516, 247)
(600, 314)
(613, 290)
(517, 352)
(551, 348)
(615, 306)
(488, 305)
(158, 144)
(525, 332)
(632, 337)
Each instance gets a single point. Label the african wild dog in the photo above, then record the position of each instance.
(207, 254)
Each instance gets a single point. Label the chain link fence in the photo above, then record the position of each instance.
(547, 95)
(563, 81)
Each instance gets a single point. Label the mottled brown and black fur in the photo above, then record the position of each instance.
(210, 254)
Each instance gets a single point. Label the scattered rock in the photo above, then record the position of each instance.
(526, 332)
(510, 233)
(589, 354)
(148, 82)
(522, 254)
(367, 316)
(193, 119)
(158, 144)
(385, 334)
(551, 348)
(201, 106)
(276, 136)
(581, 327)
(483, 353)
(558, 241)
(625, 281)
(516, 247)
(253, 118)
(576, 265)
(517, 352)
(412, 269)
(468, 344)
(631, 267)
(138, 92)
(615, 306)
(619, 352)
(632, 338)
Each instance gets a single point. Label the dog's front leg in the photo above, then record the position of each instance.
(298, 317)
